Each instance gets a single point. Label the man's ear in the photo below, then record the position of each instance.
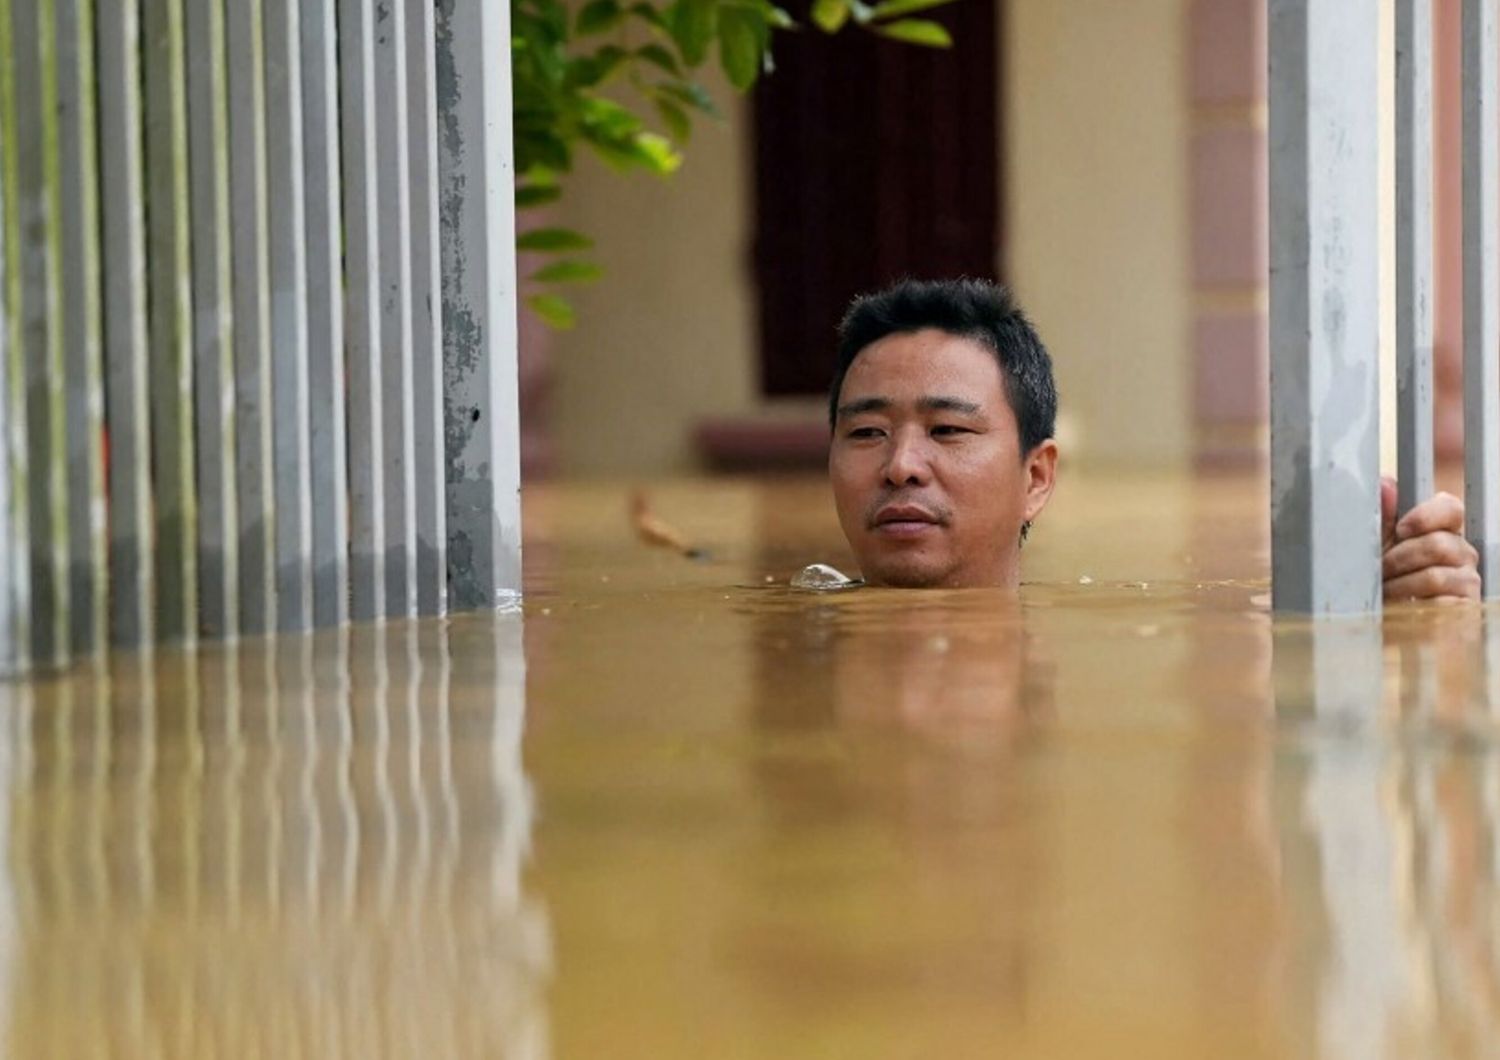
(1041, 477)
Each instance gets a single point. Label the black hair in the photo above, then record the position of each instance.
(971, 309)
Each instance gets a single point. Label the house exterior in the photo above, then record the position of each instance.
(1131, 187)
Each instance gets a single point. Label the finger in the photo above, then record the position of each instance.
(1387, 509)
(1439, 549)
(1443, 511)
(1434, 583)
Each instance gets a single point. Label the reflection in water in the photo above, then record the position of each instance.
(896, 741)
(1341, 880)
(298, 847)
(1392, 852)
(779, 824)
(1134, 809)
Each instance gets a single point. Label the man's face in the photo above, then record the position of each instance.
(927, 472)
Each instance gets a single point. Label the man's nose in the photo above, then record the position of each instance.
(908, 464)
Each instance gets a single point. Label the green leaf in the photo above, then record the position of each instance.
(594, 69)
(599, 16)
(893, 8)
(658, 56)
(554, 311)
(555, 16)
(553, 240)
(692, 95)
(531, 195)
(861, 12)
(568, 272)
(916, 31)
(648, 14)
(830, 15)
(541, 176)
(778, 18)
(657, 154)
(741, 32)
(620, 157)
(543, 149)
(606, 118)
(675, 119)
(692, 27)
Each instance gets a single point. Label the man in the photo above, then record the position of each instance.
(943, 409)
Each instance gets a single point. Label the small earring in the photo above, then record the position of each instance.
(1025, 531)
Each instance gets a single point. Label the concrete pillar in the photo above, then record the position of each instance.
(1325, 520)
(477, 175)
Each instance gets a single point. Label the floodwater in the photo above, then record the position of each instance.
(673, 808)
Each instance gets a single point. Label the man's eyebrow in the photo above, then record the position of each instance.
(869, 404)
(934, 403)
(948, 404)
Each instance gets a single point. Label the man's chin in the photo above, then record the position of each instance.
(907, 574)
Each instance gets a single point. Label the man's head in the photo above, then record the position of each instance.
(942, 408)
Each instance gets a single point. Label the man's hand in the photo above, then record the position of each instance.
(1424, 554)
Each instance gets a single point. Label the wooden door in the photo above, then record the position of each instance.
(874, 160)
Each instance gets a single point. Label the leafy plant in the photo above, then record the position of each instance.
(617, 79)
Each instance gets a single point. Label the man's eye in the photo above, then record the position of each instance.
(865, 432)
(949, 429)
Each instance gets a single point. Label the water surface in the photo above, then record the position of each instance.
(674, 808)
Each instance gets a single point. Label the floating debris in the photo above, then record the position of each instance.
(1084, 579)
(821, 577)
(653, 530)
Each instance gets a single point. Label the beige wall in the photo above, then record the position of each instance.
(1097, 213)
(667, 336)
(1096, 224)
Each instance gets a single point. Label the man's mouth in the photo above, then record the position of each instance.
(904, 520)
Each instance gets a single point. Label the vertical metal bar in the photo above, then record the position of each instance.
(14, 541)
(344, 878)
(437, 675)
(254, 470)
(16, 553)
(426, 308)
(330, 678)
(1325, 501)
(213, 320)
(395, 305)
(131, 560)
(325, 316)
(505, 765)
(362, 307)
(33, 56)
(402, 648)
(481, 421)
(170, 320)
(1481, 171)
(289, 314)
(304, 823)
(82, 323)
(10, 626)
(1414, 235)
(1330, 673)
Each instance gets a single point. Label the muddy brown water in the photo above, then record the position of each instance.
(673, 808)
